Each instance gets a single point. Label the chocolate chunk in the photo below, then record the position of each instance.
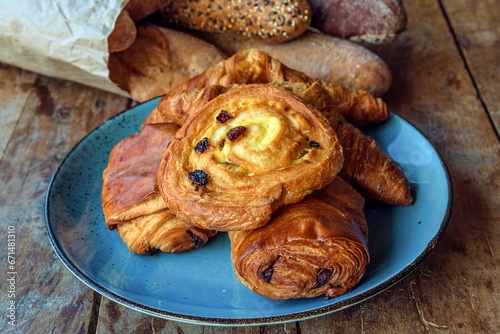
(266, 274)
(199, 177)
(223, 116)
(323, 277)
(235, 133)
(151, 251)
(202, 145)
(198, 242)
(313, 143)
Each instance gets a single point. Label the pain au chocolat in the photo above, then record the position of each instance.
(132, 203)
(244, 154)
(315, 247)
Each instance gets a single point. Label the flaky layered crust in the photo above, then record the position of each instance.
(244, 154)
(129, 188)
(161, 231)
(132, 203)
(253, 66)
(366, 166)
(315, 247)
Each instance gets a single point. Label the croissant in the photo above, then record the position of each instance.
(131, 201)
(315, 247)
(253, 66)
(366, 166)
(244, 154)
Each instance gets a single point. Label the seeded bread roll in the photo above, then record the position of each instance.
(271, 21)
(371, 21)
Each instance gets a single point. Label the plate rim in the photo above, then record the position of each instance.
(256, 321)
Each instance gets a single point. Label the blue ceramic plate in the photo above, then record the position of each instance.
(199, 286)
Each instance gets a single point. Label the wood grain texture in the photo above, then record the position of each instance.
(14, 88)
(52, 118)
(476, 27)
(445, 68)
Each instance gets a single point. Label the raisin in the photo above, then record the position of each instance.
(323, 277)
(198, 242)
(223, 116)
(221, 144)
(198, 177)
(202, 145)
(313, 143)
(235, 133)
(266, 274)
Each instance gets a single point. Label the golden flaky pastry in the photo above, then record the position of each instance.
(366, 166)
(244, 154)
(131, 201)
(252, 66)
(315, 247)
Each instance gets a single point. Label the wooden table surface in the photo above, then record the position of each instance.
(446, 68)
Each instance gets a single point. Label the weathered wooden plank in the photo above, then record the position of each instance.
(15, 85)
(433, 89)
(114, 318)
(55, 116)
(477, 30)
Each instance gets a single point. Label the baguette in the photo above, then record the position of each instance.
(320, 56)
(270, 21)
(123, 34)
(139, 9)
(159, 60)
(371, 21)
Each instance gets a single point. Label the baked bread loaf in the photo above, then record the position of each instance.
(319, 56)
(123, 34)
(132, 203)
(243, 155)
(140, 9)
(370, 21)
(159, 60)
(315, 247)
(270, 21)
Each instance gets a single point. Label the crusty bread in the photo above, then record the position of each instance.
(123, 34)
(319, 56)
(159, 60)
(371, 21)
(271, 21)
(139, 9)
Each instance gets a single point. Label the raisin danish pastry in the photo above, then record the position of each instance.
(244, 154)
(315, 247)
(366, 166)
(131, 201)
